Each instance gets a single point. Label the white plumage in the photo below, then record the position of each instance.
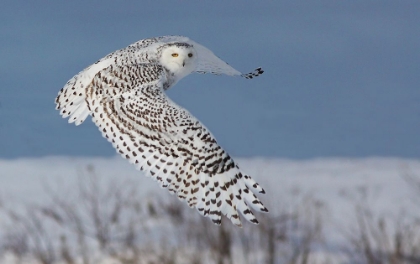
(124, 94)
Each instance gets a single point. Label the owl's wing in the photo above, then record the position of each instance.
(130, 108)
(208, 62)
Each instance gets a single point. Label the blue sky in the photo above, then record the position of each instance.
(342, 78)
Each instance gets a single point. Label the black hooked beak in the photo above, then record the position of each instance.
(183, 64)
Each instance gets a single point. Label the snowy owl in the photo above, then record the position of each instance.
(124, 93)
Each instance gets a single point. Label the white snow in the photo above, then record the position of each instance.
(338, 183)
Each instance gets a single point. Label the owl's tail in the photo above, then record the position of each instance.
(71, 100)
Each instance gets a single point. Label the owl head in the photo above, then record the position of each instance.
(179, 58)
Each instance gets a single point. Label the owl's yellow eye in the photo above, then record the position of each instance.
(190, 55)
(174, 55)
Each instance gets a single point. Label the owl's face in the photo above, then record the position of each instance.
(179, 59)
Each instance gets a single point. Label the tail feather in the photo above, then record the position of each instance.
(71, 100)
(79, 115)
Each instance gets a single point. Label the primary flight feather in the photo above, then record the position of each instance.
(124, 92)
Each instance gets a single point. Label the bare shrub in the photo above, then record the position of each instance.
(281, 236)
(377, 239)
(98, 221)
(290, 237)
(29, 235)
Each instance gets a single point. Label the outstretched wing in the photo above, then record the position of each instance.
(208, 62)
(130, 108)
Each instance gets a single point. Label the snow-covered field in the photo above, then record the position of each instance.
(337, 183)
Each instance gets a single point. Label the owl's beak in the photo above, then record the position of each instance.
(183, 64)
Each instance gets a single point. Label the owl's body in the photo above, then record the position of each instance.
(124, 94)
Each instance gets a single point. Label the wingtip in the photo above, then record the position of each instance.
(255, 73)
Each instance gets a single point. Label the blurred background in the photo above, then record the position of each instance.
(331, 130)
(341, 77)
